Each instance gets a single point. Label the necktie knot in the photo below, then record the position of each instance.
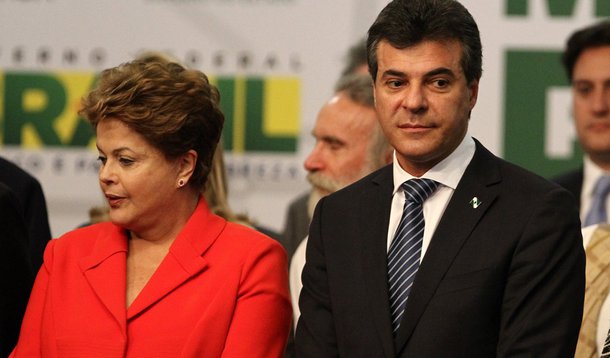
(597, 213)
(418, 190)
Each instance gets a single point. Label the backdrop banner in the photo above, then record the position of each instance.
(275, 63)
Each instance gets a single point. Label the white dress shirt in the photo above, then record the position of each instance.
(447, 173)
(297, 263)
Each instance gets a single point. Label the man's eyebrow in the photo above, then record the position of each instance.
(440, 71)
(434, 72)
(580, 82)
(393, 73)
(331, 139)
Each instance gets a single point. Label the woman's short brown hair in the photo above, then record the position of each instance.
(175, 109)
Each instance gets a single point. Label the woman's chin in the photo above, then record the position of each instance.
(118, 218)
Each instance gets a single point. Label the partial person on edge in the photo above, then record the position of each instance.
(34, 207)
(586, 59)
(16, 271)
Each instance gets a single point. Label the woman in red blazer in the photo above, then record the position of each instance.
(166, 277)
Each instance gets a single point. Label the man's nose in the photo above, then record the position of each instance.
(414, 98)
(314, 160)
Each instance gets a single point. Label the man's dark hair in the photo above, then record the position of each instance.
(596, 35)
(405, 23)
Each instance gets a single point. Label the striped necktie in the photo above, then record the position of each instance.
(405, 249)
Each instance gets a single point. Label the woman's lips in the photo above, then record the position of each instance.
(114, 200)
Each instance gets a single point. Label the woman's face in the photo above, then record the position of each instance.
(135, 177)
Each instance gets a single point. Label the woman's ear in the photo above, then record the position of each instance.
(186, 167)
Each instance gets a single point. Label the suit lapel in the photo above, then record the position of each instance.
(105, 270)
(458, 221)
(184, 260)
(377, 199)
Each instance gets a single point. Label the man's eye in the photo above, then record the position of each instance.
(440, 83)
(394, 83)
(583, 90)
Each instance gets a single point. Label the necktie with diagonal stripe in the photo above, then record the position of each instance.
(405, 249)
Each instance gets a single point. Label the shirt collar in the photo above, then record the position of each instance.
(447, 172)
(591, 174)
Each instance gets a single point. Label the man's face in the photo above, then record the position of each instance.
(423, 101)
(344, 133)
(591, 101)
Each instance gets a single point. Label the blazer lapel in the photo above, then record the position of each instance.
(184, 260)
(375, 211)
(105, 271)
(473, 196)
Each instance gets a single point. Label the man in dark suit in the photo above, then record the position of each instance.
(16, 273)
(587, 63)
(487, 260)
(33, 206)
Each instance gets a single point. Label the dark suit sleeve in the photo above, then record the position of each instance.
(16, 273)
(37, 219)
(315, 335)
(296, 225)
(544, 292)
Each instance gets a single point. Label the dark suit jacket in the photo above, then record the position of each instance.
(572, 181)
(505, 279)
(296, 225)
(16, 273)
(30, 195)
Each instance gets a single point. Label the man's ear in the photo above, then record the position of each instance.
(374, 95)
(474, 93)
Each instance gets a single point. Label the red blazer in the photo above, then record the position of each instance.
(221, 291)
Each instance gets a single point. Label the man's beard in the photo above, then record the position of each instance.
(324, 184)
